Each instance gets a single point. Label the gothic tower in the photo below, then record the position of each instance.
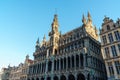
(54, 36)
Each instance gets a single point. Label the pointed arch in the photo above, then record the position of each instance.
(62, 77)
(71, 77)
(81, 59)
(80, 76)
(55, 78)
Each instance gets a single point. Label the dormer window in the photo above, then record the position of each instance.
(108, 27)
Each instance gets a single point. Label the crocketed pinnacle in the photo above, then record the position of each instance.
(83, 19)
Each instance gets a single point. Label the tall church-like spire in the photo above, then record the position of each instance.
(37, 42)
(55, 21)
(83, 19)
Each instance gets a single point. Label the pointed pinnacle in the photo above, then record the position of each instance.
(37, 42)
(55, 20)
(44, 38)
(83, 19)
(89, 16)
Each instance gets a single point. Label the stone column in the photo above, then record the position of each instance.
(75, 61)
(63, 64)
(32, 70)
(75, 76)
(41, 67)
(52, 65)
(56, 65)
(36, 69)
(66, 63)
(115, 71)
(46, 70)
(84, 59)
(114, 39)
(59, 65)
(70, 61)
(117, 50)
(79, 61)
(110, 51)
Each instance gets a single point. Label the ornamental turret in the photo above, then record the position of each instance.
(37, 45)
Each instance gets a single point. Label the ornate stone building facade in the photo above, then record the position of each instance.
(15, 72)
(5, 73)
(75, 55)
(110, 40)
(25, 68)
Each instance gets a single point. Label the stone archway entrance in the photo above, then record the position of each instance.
(42, 78)
(55, 78)
(37, 78)
(62, 77)
(28, 79)
(88, 77)
(48, 78)
(80, 77)
(71, 77)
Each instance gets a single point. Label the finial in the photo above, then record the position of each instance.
(44, 38)
(89, 17)
(95, 29)
(27, 56)
(83, 19)
(9, 66)
(37, 42)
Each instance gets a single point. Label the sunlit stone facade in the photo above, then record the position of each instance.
(75, 55)
(25, 68)
(5, 73)
(110, 40)
(15, 72)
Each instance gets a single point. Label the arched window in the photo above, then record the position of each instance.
(48, 78)
(72, 61)
(55, 78)
(55, 51)
(58, 64)
(81, 60)
(80, 77)
(108, 27)
(64, 63)
(77, 60)
(71, 77)
(62, 77)
(68, 62)
(61, 62)
(49, 66)
(55, 64)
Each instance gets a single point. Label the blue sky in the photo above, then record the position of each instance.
(23, 21)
